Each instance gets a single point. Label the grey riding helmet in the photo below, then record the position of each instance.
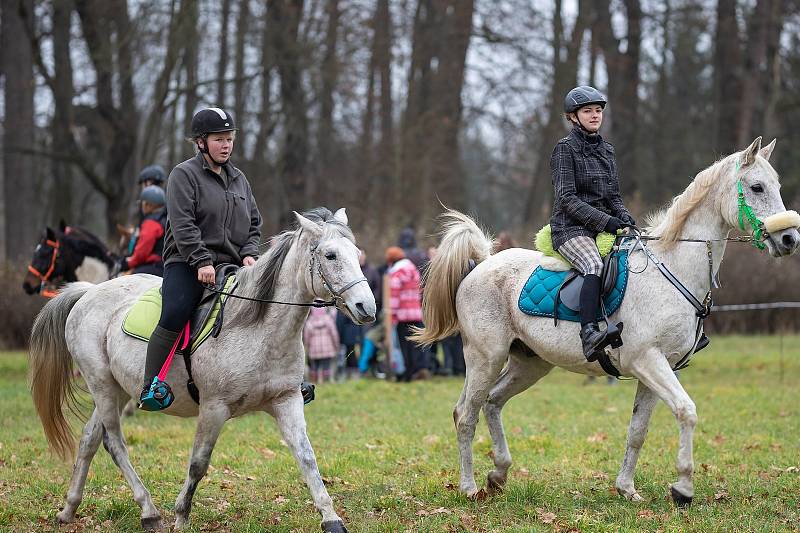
(583, 96)
(153, 194)
(154, 173)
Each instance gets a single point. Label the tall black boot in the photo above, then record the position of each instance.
(591, 336)
(157, 396)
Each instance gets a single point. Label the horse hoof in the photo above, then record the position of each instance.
(334, 526)
(152, 523)
(63, 518)
(478, 496)
(681, 500)
(495, 483)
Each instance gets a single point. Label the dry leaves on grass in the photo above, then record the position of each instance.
(333, 480)
(545, 517)
(721, 495)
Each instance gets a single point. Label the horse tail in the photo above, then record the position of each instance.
(462, 241)
(50, 366)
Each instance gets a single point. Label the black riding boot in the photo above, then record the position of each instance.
(591, 336)
(157, 395)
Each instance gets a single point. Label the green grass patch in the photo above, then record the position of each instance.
(389, 454)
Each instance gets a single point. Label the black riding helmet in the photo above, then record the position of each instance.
(211, 120)
(583, 96)
(154, 173)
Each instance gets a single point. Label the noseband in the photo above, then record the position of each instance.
(761, 230)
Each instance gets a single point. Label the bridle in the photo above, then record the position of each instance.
(320, 301)
(336, 296)
(45, 278)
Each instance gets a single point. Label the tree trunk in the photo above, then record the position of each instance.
(623, 85)
(222, 62)
(284, 19)
(326, 141)
(239, 84)
(190, 69)
(63, 91)
(727, 78)
(21, 229)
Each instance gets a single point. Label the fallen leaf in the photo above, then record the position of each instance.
(431, 439)
(792, 469)
(721, 495)
(280, 500)
(370, 446)
(599, 475)
(718, 439)
(597, 437)
(441, 510)
(523, 472)
(267, 453)
(645, 513)
(545, 516)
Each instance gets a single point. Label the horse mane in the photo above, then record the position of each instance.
(672, 219)
(267, 282)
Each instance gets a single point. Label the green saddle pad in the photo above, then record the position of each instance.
(142, 319)
(538, 296)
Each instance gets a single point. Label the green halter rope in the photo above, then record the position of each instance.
(745, 211)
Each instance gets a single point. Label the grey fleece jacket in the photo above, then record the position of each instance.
(208, 222)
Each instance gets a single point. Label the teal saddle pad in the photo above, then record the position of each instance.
(538, 296)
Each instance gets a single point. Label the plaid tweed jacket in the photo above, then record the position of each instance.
(586, 186)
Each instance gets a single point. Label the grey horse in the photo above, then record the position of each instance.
(507, 351)
(261, 371)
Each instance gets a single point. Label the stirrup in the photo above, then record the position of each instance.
(307, 390)
(159, 396)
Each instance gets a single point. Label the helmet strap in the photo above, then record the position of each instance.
(204, 150)
(581, 126)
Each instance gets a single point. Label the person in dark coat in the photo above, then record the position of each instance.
(586, 201)
(408, 242)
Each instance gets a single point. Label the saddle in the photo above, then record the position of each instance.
(207, 318)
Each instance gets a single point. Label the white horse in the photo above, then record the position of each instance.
(507, 351)
(256, 363)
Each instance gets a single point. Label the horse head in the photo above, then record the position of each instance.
(752, 201)
(334, 272)
(47, 265)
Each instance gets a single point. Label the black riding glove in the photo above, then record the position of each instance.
(613, 225)
(628, 220)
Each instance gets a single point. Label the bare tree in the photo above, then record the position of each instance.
(326, 140)
(18, 167)
(284, 20)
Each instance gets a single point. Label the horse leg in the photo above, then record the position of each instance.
(90, 441)
(107, 405)
(521, 372)
(288, 413)
(209, 424)
(482, 372)
(653, 370)
(643, 406)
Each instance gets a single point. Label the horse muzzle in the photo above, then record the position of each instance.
(783, 236)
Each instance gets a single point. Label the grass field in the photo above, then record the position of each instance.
(389, 455)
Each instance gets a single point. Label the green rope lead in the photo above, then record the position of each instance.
(745, 211)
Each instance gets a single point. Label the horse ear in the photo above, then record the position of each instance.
(341, 215)
(751, 151)
(767, 150)
(62, 225)
(51, 235)
(314, 229)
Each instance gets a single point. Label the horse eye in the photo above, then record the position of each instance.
(757, 188)
(330, 256)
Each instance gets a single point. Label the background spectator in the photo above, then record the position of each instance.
(405, 304)
(322, 342)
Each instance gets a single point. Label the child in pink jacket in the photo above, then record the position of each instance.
(321, 339)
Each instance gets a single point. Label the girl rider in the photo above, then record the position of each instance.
(586, 201)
